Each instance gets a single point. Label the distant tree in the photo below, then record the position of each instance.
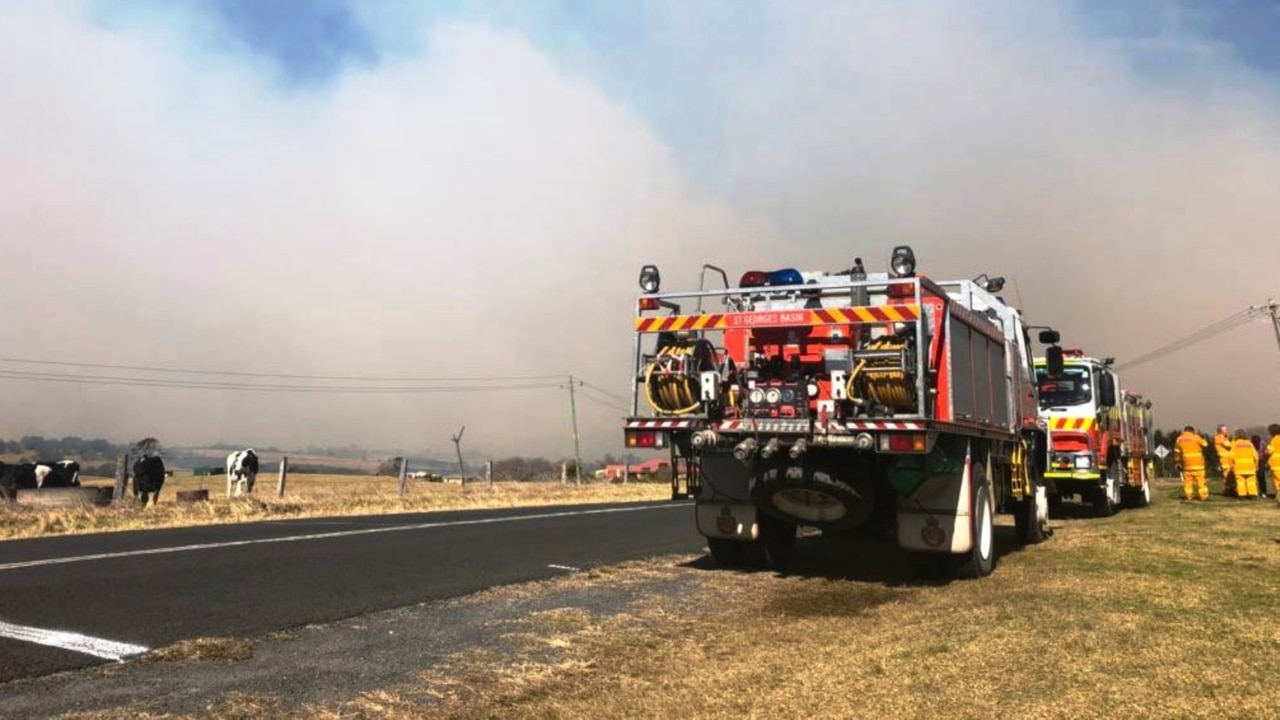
(390, 466)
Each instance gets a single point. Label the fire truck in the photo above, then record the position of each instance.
(1103, 437)
(857, 403)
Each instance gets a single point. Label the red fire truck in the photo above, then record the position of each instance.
(1103, 436)
(847, 401)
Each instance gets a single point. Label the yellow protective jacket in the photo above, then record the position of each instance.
(1222, 444)
(1273, 454)
(1244, 457)
(1189, 451)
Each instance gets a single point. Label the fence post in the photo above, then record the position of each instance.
(122, 476)
(488, 471)
(564, 472)
(404, 475)
(284, 475)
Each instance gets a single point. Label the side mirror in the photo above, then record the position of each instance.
(1049, 337)
(1107, 389)
(1053, 360)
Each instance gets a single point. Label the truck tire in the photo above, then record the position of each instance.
(728, 553)
(814, 497)
(779, 538)
(1103, 503)
(1026, 516)
(1139, 497)
(981, 560)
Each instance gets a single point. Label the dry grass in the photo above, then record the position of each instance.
(1166, 612)
(202, 650)
(308, 496)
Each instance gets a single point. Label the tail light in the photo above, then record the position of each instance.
(902, 442)
(648, 303)
(646, 439)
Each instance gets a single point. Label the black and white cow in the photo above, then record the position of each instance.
(64, 473)
(17, 476)
(242, 472)
(148, 478)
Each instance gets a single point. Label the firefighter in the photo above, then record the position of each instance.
(1188, 452)
(1273, 458)
(1244, 464)
(1222, 444)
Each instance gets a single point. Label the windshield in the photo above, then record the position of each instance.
(1073, 388)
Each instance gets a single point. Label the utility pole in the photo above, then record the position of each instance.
(577, 451)
(1274, 308)
(457, 445)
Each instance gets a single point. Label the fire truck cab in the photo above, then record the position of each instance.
(1101, 435)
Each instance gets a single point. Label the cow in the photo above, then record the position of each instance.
(15, 477)
(242, 472)
(65, 473)
(148, 478)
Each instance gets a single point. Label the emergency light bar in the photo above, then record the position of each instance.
(777, 278)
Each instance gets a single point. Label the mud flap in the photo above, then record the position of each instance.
(935, 518)
(728, 521)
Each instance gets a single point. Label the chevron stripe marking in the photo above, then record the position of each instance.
(779, 318)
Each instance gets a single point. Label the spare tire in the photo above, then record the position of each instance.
(808, 495)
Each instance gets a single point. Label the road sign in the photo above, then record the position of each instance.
(1162, 452)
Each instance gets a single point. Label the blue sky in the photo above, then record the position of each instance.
(312, 41)
(676, 83)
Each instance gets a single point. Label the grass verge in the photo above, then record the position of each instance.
(1162, 612)
(307, 496)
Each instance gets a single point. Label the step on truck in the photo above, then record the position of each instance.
(856, 403)
(1103, 440)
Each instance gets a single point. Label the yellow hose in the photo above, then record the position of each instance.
(676, 395)
(887, 386)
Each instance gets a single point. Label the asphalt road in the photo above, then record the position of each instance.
(127, 592)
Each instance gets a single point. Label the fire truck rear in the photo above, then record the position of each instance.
(852, 402)
(1103, 439)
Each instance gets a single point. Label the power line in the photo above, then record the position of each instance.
(283, 376)
(602, 391)
(211, 385)
(603, 402)
(1214, 329)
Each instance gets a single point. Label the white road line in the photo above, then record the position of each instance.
(75, 642)
(565, 567)
(318, 536)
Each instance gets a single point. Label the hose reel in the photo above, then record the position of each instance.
(883, 377)
(672, 380)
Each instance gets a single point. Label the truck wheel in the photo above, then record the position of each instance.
(1140, 497)
(779, 538)
(814, 497)
(727, 553)
(1103, 498)
(981, 560)
(1027, 513)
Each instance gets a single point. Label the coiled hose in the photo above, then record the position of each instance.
(671, 381)
(886, 385)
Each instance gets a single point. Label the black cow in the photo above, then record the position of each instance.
(65, 473)
(15, 477)
(148, 478)
(8, 481)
